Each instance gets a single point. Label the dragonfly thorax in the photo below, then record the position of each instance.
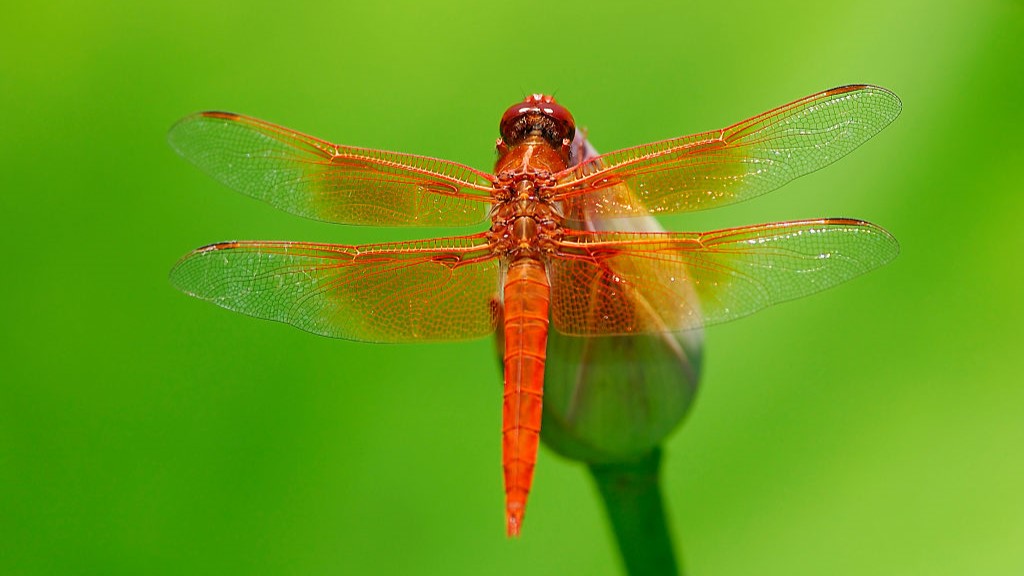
(524, 221)
(524, 225)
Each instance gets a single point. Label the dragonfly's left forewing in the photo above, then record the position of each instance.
(314, 178)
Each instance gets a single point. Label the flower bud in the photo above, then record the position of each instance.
(615, 398)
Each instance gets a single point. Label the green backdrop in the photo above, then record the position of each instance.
(873, 429)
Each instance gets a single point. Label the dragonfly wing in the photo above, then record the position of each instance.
(626, 283)
(443, 289)
(745, 160)
(316, 179)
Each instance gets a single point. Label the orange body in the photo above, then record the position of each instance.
(530, 150)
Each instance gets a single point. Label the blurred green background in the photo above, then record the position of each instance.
(877, 428)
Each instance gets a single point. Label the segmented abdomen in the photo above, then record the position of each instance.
(526, 299)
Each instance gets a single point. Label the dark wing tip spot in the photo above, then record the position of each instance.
(219, 114)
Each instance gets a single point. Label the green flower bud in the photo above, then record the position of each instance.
(616, 398)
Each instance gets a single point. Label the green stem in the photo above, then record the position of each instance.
(632, 497)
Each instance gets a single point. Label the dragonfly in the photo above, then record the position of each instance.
(542, 263)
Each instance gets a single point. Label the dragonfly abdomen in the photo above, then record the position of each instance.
(526, 299)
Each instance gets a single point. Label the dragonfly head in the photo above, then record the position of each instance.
(539, 115)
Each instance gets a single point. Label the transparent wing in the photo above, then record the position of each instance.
(313, 178)
(626, 283)
(742, 161)
(441, 289)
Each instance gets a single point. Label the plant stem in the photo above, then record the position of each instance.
(632, 496)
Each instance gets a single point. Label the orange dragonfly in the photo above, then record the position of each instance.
(541, 261)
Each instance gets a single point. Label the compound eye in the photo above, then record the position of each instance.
(510, 118)
(559, 114)
(541, 113)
